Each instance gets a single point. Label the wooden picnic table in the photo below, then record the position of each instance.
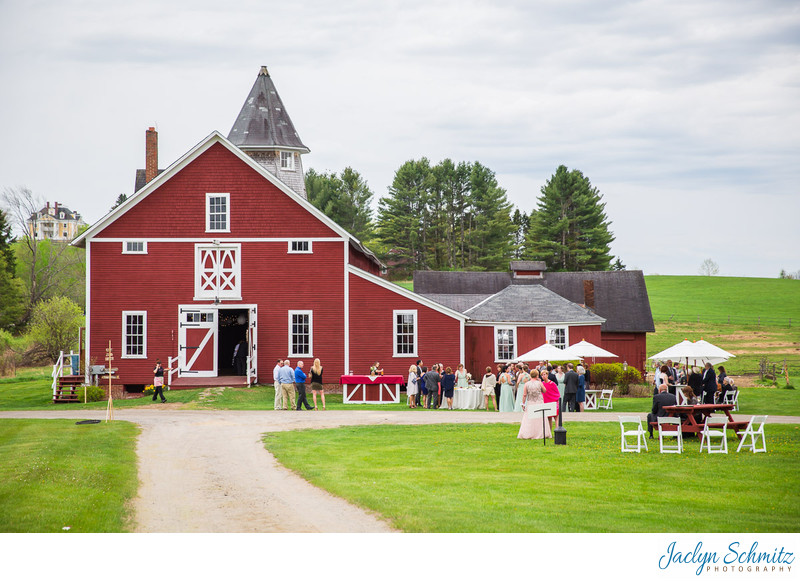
(691, 424)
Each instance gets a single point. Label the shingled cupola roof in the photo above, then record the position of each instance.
(263, 122)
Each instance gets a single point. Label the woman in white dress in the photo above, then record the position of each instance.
(532, 427)
(411, 387)
(487, 385)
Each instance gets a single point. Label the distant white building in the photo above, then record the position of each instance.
(56, 222)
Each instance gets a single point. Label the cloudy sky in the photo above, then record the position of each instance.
(684, 114)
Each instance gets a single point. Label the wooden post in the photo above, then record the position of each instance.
(110, 407)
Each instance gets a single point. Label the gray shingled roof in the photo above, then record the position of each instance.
(457, 301)
(263, 121)
(620, 296)
(140, 179)
(528, 265)
(532, 303)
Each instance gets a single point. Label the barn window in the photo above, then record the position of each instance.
(405, 333)
(134, 247)
(300, 333)
(218, 213)
(134, 334)
(505, 343)
(558, 336)
(218, 272)
(299, 246)
(287, 161)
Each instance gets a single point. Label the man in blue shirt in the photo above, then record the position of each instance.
(286, 377)
(300, 386)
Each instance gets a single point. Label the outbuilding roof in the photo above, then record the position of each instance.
(620, 297)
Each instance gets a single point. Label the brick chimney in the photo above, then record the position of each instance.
(588, 293)
(150, 154)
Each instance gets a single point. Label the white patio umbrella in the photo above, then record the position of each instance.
(544, 353)
(694, 353)
(584, 349)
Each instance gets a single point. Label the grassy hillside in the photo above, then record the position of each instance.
(753, 318)
(743, 300)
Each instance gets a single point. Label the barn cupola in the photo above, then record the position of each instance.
(264, 131)
(528, 269)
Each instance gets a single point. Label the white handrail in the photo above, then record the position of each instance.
(248, 371)
(58, 371)
(172, 370)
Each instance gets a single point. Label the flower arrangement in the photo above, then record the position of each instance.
(149, 390)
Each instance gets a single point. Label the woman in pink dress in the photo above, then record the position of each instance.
(551, 394)
(531, 426)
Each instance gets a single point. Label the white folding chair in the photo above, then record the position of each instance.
(637, 431)
(680, 397)
(605, 399)
(710, 433)
(670, 427)
(732, 397)
(753, 432)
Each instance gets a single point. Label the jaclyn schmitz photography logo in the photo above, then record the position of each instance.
(736, 557)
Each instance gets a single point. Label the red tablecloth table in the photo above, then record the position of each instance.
(357, 389)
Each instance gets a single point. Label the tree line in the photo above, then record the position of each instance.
(455, 216)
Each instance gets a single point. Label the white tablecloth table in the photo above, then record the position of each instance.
(466, 399)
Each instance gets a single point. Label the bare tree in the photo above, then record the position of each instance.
(48, 268)
(709, 268)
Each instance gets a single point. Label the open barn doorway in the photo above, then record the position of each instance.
(233, 325)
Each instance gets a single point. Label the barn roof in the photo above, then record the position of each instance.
(620, 297)
(524, 303)
(263, 122)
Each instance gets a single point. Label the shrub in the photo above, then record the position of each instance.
(149, 390)
(95, 394)
(605, 374)
(54, 325)
(628, 377)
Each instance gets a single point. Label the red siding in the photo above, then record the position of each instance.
(480, 349)
(162, 279)
(177, 208)
(630, 347)
(372, 330)
(361, 261)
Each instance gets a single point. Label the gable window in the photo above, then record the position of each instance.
(300, 333)
(218, 272)
(134, 247)
(558, 336)
(299, 246)
(134, 334)
(218, 213)
(287, 160)
(405, 333)
(505, 344)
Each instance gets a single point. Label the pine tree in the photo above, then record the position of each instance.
(345, 198)
(569, 228)
(492, 234)
(6, 250)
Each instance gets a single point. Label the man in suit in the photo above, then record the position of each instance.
(570, 388)
(709, 384)
(660, 400)
(432, 380)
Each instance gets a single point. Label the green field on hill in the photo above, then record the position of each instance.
(756, 319)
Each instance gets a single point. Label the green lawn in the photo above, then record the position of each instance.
(481, 478)
(55, 474)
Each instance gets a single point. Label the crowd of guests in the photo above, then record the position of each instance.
(699, 386)
(290, 381)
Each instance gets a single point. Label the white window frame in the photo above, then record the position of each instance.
(550, 328)
(513, 329)
(291, 351)
(395, 352)
(307, 251)
(199, 292)
(125, 354)
(227, 196)
(127, 251)
(287, 161)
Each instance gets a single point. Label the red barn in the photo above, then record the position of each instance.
(216, 248)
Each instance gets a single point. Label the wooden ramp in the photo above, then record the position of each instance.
(186, 382)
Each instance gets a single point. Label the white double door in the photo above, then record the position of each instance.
(198, 337)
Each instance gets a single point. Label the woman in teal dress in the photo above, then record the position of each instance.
(523, 378)
(506, 391)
